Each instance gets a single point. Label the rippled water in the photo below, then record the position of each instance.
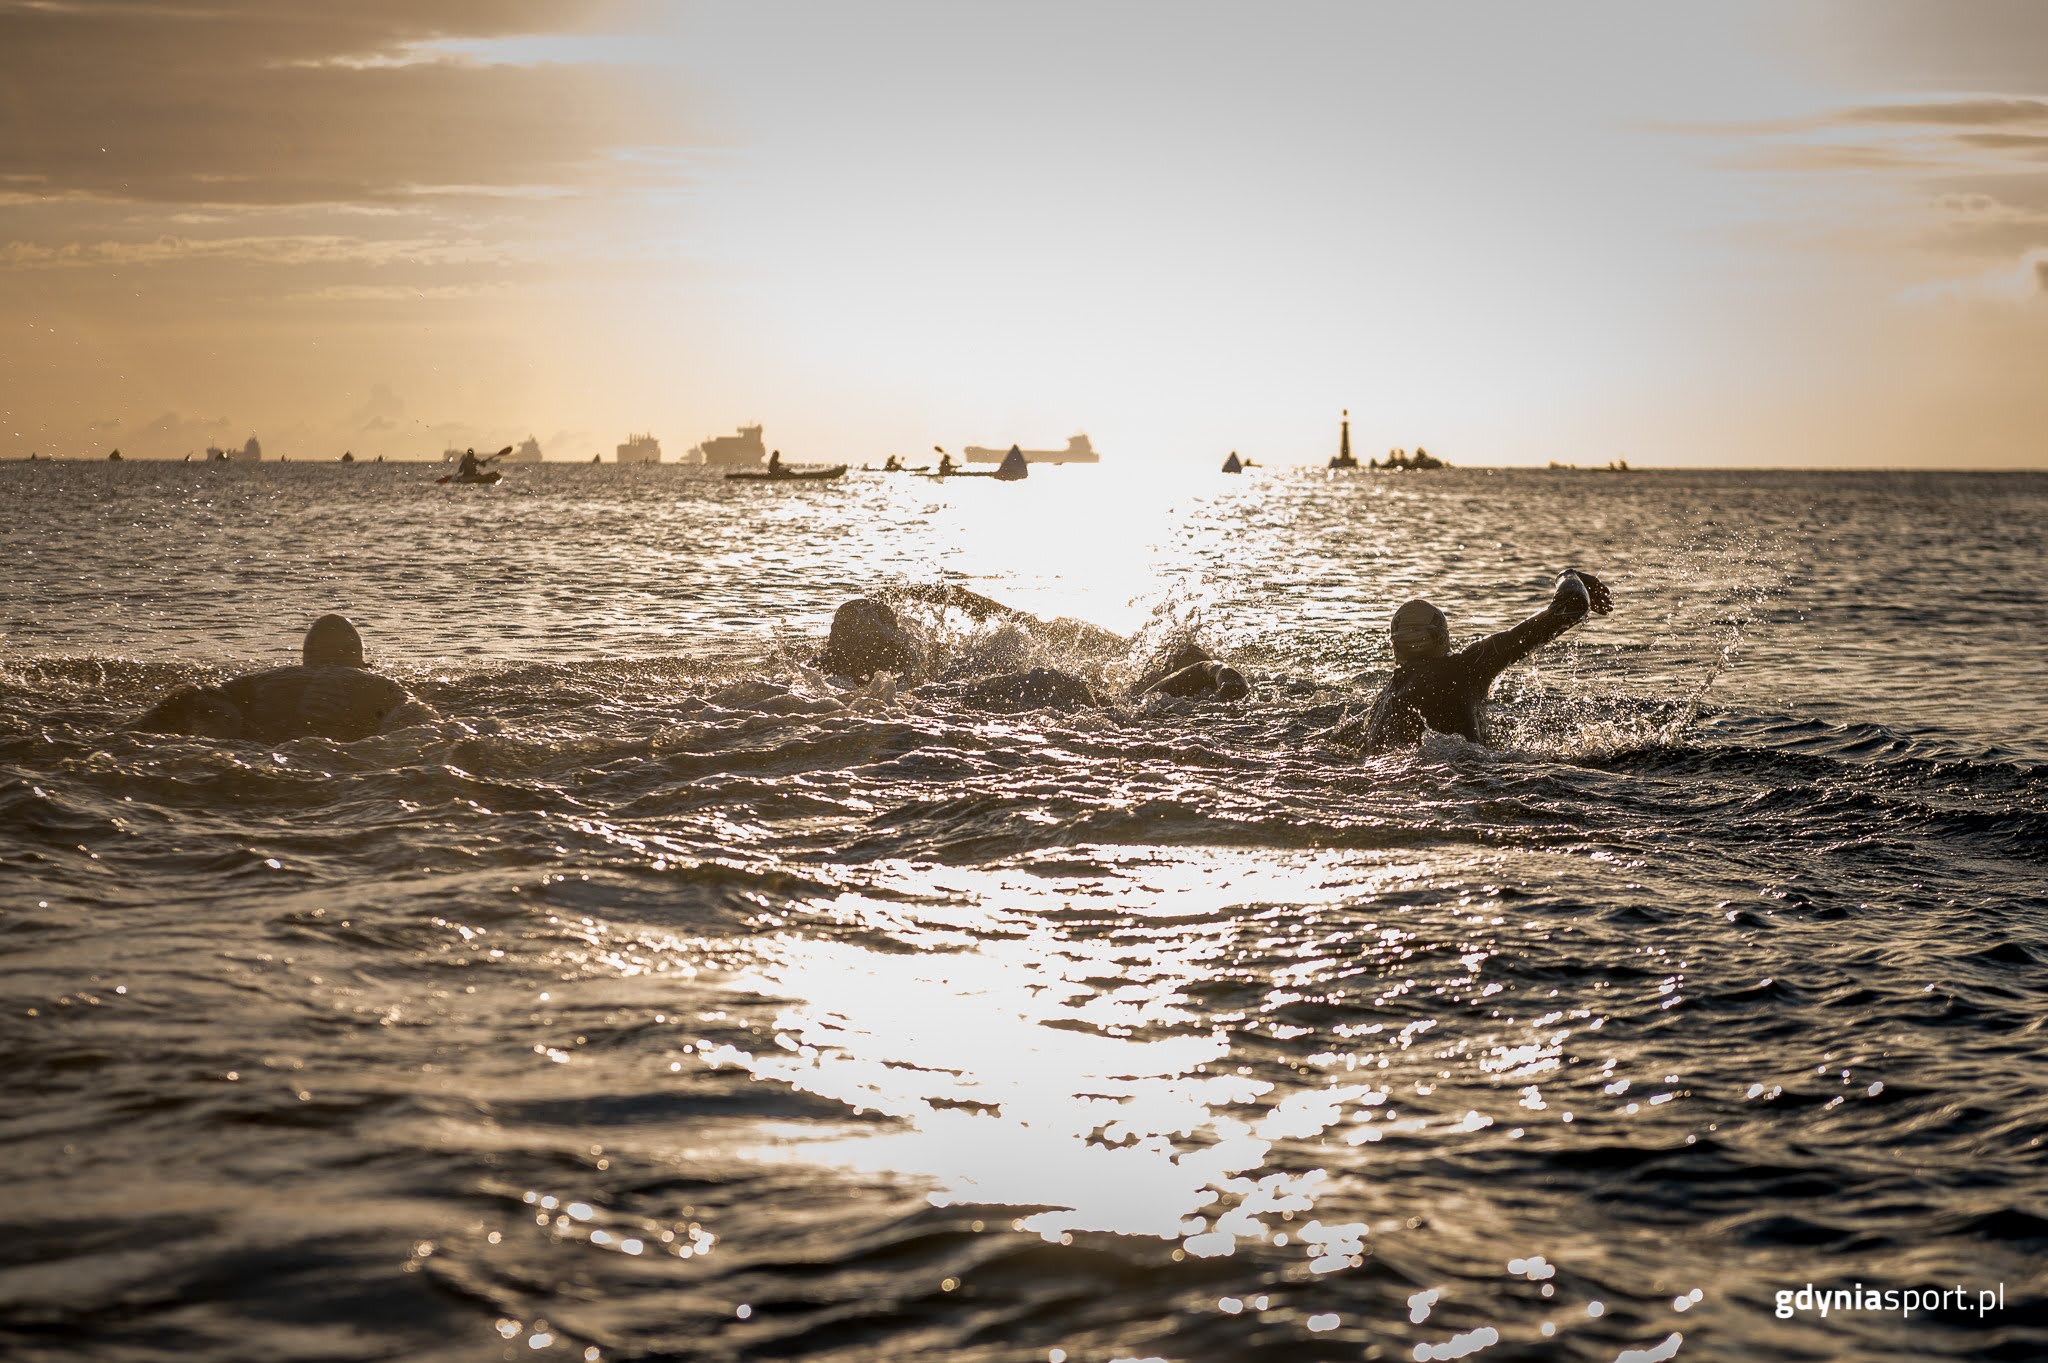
(666, 1002)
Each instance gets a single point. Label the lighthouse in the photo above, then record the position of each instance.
(1343, 459)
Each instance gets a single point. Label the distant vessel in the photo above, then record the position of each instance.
(1078, 451)
(251, 453)
(639, 449)
(1233, 464)
(1344, 459)
(742, 449)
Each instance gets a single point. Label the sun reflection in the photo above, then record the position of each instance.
(1004, 1108)
(1120, 542)
(1064, 1069)
(1229, 1050)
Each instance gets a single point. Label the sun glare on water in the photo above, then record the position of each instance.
(1010, 1076)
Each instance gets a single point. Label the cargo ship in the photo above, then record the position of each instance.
(743, 450)
(1078, 451)
(640, 449)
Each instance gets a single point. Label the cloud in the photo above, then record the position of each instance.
(1971, 113)
(1976, 165)
(252, 101)
(2022, 281)
(1911, 135)
(1821, 157)
(304, 249)
(170, 435)
(1993, 222)
(392, 293)
(2034, 142)
(380, 411)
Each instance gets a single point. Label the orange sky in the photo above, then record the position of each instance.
(1728, 234)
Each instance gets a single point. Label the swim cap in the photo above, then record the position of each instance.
(1420, 631)
(867, 638)
(332, 642)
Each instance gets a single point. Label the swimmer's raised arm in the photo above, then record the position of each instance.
(1578, 594)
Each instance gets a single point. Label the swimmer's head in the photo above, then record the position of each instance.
(332, 642)
(866, 639)
(1420, 631)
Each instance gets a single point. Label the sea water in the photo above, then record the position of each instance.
(669, 1000)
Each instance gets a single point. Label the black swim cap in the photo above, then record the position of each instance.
(332, 642)
(1420, 631)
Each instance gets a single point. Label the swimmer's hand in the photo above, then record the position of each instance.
(1579, 591)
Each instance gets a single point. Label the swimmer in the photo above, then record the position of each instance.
(869, 637)
(1434, 688)
(330, 694)
(1204, 680)
(1189, 673)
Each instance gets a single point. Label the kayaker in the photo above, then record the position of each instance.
(775, 464)
(330, 694)
(945, 464)
(1434, 688)
(471, 466)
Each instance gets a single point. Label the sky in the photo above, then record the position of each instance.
(1788, 233)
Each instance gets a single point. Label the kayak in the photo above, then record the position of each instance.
(788, 475)
(491, 477)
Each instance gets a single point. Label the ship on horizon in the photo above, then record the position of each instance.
(744, 449)
(1078, 451)
(251, 453)
(640, 449)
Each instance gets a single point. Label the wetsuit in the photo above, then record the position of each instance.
(1205, 680)
(342, 703)
(1448, 693)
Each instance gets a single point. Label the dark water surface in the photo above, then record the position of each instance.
(667, 1001)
